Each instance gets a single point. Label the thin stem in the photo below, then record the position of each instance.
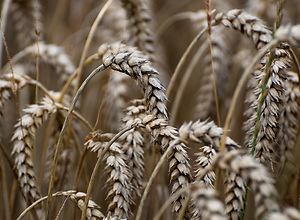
(171, 20)
(154, 173)
(174, 79)
(90, 37)
(74, 75)
(36, 203)
(96, 168)
(208, 2)
(4, 13)
(184, 82)
(58, 146)
(241, 85)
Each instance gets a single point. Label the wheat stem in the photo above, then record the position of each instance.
(58, 146)
(241, 85)
(89, 39)
(184, 82)
(173, 82)
(153, 175)
(4, 13)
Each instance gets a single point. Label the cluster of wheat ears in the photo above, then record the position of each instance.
(139, 109)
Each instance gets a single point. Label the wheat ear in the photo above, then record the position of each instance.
(205, 93)
(118, 184)
(129, 60)
(255, 174)
(25, 14)
(133, 142)
(209, 136)
(207, 204)
(272, 100)
(179, 167)
(49, 54)
(23, 139)
(138, 16)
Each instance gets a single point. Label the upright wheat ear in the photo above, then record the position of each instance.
(23, 140)
(140, 34)
(208, 135)
(133, 143)
(129, 60)
(253, 173)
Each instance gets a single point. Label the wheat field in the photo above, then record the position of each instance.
(139, 109)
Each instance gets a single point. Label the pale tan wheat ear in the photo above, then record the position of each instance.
(138, 16)
(179, 167)
(260, 137)
(49, 54)
(93, 210)
(264, 145)
(255, 174)
(209, 136)
(288, 132)
(133, 144)
(205, 93)
(25, 14)
(128, 60)
(207, 204)
(23, 140)
(119, 176)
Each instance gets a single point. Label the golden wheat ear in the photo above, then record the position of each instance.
(207, 204)
(23, 140)
(27, 15)
(129, 60)
(209, 136)
(133, 145)
(118, 184)
(139, 31)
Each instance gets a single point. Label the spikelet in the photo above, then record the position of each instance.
(128, 60)
(23, 140)
(119, 176)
